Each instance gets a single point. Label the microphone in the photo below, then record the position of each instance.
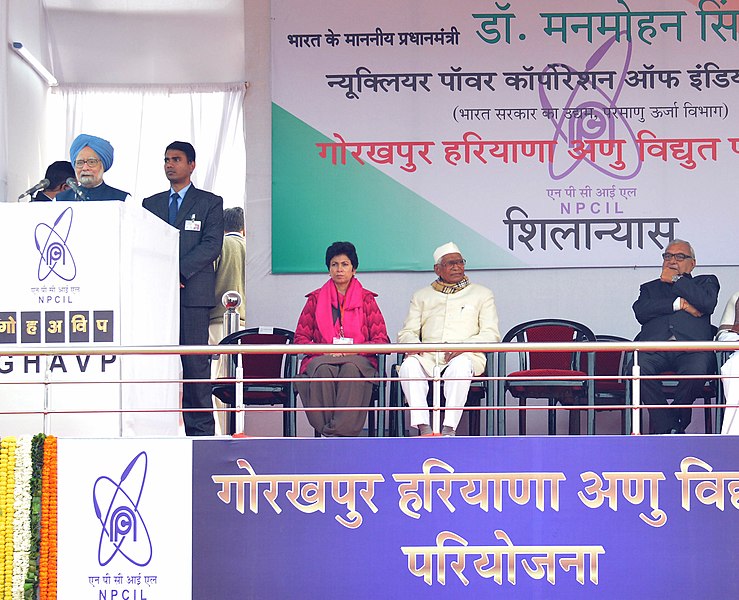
(76, 189)
(41, 185)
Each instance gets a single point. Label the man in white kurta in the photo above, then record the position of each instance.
(452, 310)
(729, 332)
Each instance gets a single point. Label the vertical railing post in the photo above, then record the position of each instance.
(436, 413)
(239, 397)
(491, 413)
(591, 394)
(636, 396)
(231, 300)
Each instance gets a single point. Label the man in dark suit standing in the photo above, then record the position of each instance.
(677, 306)
(199, 217)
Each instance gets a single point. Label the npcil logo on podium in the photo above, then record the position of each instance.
(116, 506)
(51, 242)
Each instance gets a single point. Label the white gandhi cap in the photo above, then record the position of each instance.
(441, 251)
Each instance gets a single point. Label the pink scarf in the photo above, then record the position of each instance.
(353, 310)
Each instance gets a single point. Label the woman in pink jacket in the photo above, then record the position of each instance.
(340, 312)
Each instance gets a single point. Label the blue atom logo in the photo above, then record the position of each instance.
(117, 509)
(51, 243)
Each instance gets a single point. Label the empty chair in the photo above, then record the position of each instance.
(272, 367)
(612, 363)
(558, 376)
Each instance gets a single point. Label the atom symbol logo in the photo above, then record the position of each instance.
(51, 243)
(603, 122)
(116, 507)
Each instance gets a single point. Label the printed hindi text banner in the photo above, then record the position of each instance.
(563, 133)
(519, 517)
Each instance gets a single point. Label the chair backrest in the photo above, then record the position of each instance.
(550, 330)
(610, 362)
(263, 366)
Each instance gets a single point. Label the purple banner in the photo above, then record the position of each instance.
(530, 517)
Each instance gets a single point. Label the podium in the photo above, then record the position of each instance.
(87, 274)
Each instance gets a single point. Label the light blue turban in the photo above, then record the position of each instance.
(100, 146)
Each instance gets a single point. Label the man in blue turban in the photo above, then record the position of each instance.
(91, 156)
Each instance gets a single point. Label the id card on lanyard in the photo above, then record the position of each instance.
(342, 339)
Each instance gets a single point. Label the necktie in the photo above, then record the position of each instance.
(173, 207)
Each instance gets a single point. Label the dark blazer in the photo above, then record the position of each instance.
(198, 249)
(101, 192)
(653, 309)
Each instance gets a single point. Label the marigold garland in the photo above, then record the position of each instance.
(48, 547)
(37, 460)
(7, 490)
(3, 487)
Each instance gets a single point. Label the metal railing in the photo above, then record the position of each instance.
(493, 405)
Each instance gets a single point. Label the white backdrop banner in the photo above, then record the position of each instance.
(534, 134)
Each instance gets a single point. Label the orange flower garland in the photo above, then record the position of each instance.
(48, 550)
(7, 489)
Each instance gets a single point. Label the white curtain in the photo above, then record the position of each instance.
(3, 101)
(139, 121)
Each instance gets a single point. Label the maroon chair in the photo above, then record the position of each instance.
(611, 363)
(535, 369)
(273, 367)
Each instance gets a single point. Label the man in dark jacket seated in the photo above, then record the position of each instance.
(677, 306)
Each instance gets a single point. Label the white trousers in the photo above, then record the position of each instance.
(730, 371)
(456, 377)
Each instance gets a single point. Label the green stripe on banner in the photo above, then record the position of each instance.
(315, 203)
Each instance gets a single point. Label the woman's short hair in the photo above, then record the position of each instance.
(338, 248)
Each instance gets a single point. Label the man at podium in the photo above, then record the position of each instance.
(91, 156)
(199, 217)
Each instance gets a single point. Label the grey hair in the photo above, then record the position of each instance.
(688, 244)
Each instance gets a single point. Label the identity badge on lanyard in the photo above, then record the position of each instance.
(192, 225)
(342, 339)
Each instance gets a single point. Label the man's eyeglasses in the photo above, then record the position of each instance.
(680, 257)
(454, 263)
(91, 162)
